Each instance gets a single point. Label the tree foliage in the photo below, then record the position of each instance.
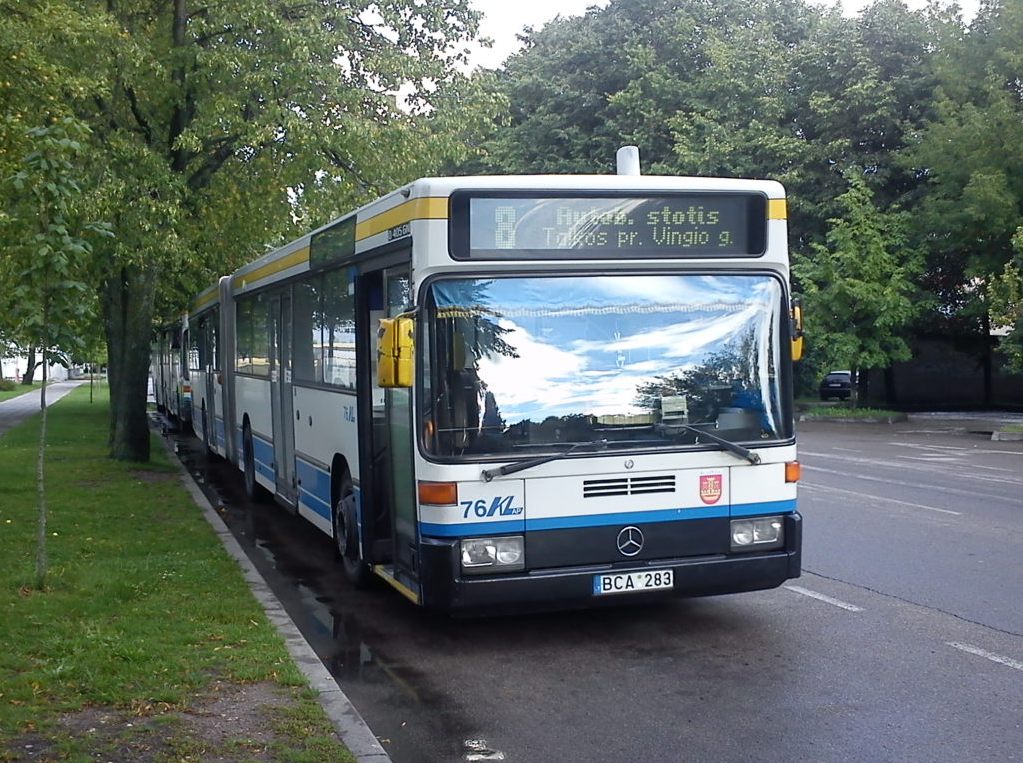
(925, 109)
(858, 287)
(770, 88)
(1005, 294)
(222, 128)
(969, 154)
(47, 257)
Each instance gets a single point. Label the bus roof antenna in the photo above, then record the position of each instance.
(627, 159)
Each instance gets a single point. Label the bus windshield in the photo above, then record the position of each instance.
(516, 366)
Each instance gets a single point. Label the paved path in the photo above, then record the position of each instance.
(17, 409)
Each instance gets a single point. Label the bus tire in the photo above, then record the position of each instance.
(346, 533)
(253, 490)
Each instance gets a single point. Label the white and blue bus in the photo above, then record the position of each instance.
(168, 369)
(523, 390)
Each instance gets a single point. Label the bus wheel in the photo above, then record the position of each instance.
(346, 534)
(253, 490)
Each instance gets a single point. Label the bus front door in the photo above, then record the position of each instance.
(281, 401)
(388, 483)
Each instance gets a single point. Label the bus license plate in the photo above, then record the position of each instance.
(633, 582)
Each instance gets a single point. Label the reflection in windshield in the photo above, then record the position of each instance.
(528, 365)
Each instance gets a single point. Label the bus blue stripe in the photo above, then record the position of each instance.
(262, 450)
(627, 517)
(313, 503)
(767, 507)
(263, 456)
(314, 490)
(601, 520)
(465, 529)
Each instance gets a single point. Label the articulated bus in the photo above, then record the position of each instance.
(522, 390)
(171, 388)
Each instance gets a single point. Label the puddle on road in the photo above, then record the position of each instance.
(479, 750)
(298, 563)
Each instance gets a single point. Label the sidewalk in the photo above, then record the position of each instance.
(17, 409)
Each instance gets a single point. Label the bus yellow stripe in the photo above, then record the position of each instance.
(382, 572)
(271, 268)
(204, 301)
(427, 208)
(776, 209)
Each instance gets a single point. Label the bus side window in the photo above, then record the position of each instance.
(307, 342)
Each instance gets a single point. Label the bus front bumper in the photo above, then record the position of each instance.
(446, 589)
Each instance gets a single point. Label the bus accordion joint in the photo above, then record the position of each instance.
(797, 329)
(793, 471)
(395, 349)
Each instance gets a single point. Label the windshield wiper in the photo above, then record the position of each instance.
(518, 466)
(731, 447)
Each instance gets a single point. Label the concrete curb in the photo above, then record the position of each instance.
(353, 730)
(1007, 436)
(862, 420)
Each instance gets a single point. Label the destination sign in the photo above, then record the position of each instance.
(676, 225)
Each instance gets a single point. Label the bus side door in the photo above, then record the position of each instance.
(386, 429)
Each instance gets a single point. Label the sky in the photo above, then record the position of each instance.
(504, 19)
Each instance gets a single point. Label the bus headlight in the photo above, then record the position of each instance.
(758, 534)
(503, 554)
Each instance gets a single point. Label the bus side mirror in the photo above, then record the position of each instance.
(395, 350)
(797, 329)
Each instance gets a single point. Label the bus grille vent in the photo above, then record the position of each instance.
(628, 486)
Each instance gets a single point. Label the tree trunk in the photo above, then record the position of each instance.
(128, 317)
(988, 364)
(862, 383)
(42, 561)
(890, 395)
(30, 369)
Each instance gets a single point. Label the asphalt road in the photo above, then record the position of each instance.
(935, 511)
(902, 641)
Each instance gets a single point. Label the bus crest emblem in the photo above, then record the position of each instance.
(710, 488)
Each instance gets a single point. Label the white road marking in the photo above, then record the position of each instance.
(822, 597)
(903, 463)
(986, 655)
(826, 488)
(994, 468)
(952, 447)
(973, 495)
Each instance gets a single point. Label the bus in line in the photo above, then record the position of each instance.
(522, 390)
(172, 391)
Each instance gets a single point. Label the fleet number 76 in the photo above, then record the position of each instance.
(499, 506)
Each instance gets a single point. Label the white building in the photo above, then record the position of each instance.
(14, 368)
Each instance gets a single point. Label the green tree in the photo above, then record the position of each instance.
(48, 260)
(223, 128)
(971, 203)
(859, 291)
(770, 88)
(1005, 296)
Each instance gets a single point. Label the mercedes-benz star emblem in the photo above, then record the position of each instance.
(630, 541)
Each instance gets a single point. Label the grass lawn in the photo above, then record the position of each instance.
(146, 644)
(19, 389)
(840, 411)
